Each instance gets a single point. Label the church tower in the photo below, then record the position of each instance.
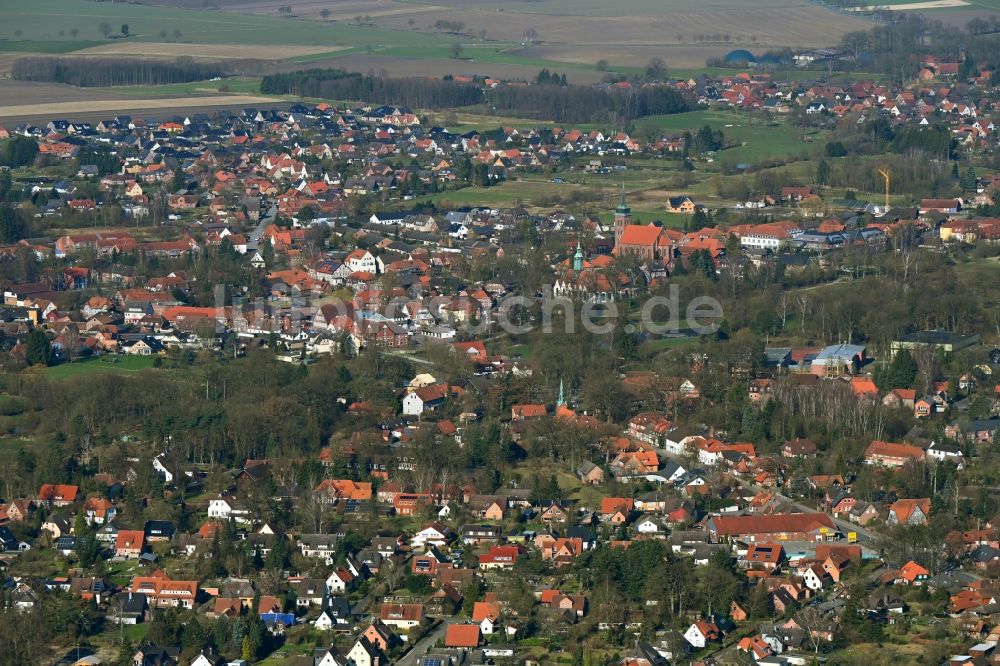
(623, 217)
(578, 258)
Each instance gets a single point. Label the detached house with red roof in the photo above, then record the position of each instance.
(402, 616)
(163, 592)
(129, 544)
(525, 412)
(912, 573)
(487, 615)
(616, 510)
(501, 557)
(763, 557)
(57, 494)
(890, 454)
(464, 636)
(909, 512)
(701, 633)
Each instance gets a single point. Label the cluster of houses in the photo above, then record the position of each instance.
(798, 556)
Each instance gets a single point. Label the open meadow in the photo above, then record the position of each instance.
(131, 48)
(516, 37)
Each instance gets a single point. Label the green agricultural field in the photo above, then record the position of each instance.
(51, 20)
(969, 5)
(34, 46)
(480, 53)
(622, 8)
(235, 85)
(102, 364)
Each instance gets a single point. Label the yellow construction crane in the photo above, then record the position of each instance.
(885, 174)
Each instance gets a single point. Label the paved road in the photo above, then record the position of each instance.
(423, 645)
(865, 536)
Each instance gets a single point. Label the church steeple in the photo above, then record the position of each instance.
(623, 208)
(578, 258)
(562, 397)
(623, 217)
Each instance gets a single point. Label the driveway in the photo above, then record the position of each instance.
(422, 646)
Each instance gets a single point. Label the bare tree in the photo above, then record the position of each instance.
(314, 504)
(805, 307)
(529, 35)
(928, 366)
(325, 13)
(816, 625)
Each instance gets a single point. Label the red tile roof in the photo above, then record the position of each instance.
(462, 636)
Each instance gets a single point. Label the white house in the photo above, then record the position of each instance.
(363, 653)
(225, 508)
(326, 621)
(676, 441)
(424, 399)
(432, 535)
(340, 581)
(320, 546)
(813, 578)
(329, 658)
(489, 625)
(701, 632)
(210, 659)
(361, 260)
(942, 452)
(161, 469)
(649, 526)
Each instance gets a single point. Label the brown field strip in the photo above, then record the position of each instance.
(207, 51)
(57, 109)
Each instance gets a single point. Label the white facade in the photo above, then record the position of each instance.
(760, 241)
(361, 261)
(428, 536)
(413, 405)
(694, 636)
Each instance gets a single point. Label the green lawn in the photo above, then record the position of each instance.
(102, 364)
(504, 194)
(136, 632)
(760, 140)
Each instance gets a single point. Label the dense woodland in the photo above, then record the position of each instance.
(92, 72)
(583, 104)
(561, 103)
(895, 49)
(340, 85)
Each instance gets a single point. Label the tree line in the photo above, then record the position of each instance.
(562, 104)
(583, 104)
(91, 72)
(338, 84)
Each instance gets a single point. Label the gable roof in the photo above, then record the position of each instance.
(780, 523)
(904, 508)
(462, 636)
